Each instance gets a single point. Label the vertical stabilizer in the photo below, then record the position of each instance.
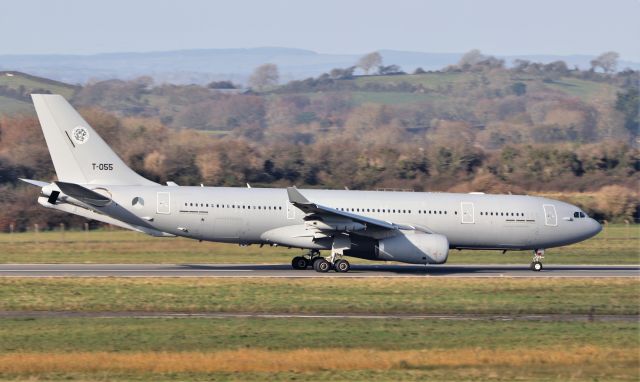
(78, 153)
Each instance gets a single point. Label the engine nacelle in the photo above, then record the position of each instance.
(414, 248)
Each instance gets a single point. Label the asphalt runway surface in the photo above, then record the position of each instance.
(285, 270)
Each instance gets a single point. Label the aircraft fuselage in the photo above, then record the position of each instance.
(246, 215)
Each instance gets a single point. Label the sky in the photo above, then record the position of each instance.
(500, 27)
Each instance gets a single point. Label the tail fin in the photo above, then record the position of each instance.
(78, 153)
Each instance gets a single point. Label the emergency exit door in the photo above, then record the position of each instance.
(467, 214)
(164, 203)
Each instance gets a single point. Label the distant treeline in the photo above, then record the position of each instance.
(601, 177)
(475, 126)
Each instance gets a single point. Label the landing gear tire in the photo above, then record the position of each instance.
(342, 266)
(536, 266)
(299, 262)
(321, 265)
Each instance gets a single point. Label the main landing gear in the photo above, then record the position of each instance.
(536, 264)
(319, 263)
(302, 262)
(323, 265)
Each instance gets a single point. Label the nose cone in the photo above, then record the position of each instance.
(594, 228)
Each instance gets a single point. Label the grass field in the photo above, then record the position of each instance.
(310, 349)
(315, 349)
(379, 295)
(617, 244)
(9, 106)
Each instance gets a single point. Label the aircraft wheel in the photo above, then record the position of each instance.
(321, 265)
(342, 266)
(536, 266)
(299, 262)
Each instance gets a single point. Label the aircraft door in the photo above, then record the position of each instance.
(164, 203)
(550, 216)
(467, 213)
(291, 211)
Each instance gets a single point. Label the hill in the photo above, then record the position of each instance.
(15, 88)
(201, 66)
(536, 128)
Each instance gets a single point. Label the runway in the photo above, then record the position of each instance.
(285, 270)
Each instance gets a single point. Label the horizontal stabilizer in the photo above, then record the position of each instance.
(37, 183)
(83, 194)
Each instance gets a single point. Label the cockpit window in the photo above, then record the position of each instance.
(583, 215)
(576, 214)
(579, 215)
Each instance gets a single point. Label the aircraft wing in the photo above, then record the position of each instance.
(310, 208)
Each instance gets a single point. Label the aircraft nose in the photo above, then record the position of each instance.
(594, 227)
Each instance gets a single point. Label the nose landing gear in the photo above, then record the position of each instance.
(536, 264)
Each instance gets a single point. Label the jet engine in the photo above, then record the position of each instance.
(415, 248)
(410, 247)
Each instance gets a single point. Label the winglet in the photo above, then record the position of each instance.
(295, 197)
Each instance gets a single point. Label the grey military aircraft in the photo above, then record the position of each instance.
(408, 227)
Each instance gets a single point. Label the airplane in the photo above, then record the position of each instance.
(407, 227)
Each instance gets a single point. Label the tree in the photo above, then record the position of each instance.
(471, 58)
(608, 61)
(389, 69)
(342, 74)
(222, 85)
(264, 76)
(369, 61)
(628, 103)
(558, 67)
(520, 65)
(519, 88)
